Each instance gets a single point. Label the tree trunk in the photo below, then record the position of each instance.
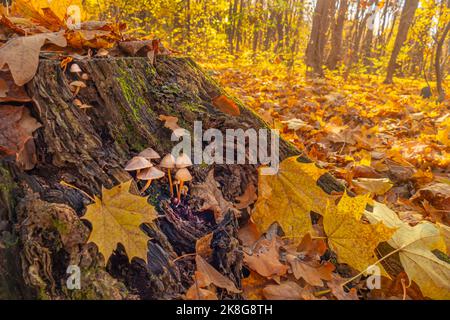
(336, 40)
(406, 19)
(40, 217)
(316, 45)
(437, 60)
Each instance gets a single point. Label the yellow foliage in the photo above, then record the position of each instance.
(289, 196)
(353, 240)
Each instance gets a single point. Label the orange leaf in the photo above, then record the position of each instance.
(226, 105)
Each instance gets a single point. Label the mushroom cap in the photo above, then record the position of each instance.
(152, 173)
(149, 153)
(85, 76)
(138, 163)
(183, 175)
(74, 68)
(168, 161)
(77, 83)
(183, 161)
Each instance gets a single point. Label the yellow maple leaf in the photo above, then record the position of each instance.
(289, 196)
(116, 219)
(353, 240)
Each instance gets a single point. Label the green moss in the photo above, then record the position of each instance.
(171, 88)
(7, 185)
(134, 100)
(194, 107)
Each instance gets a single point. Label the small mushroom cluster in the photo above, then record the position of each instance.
(146, 170)
(77, 85)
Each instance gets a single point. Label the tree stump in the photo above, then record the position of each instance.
(40, 218)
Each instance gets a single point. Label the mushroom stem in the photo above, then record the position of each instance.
(179, 190)
(176, 188)
(170, 182)
(137, 173)
(147, 185)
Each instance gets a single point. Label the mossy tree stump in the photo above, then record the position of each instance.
(88, 149)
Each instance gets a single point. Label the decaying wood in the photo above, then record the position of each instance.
(88, 148)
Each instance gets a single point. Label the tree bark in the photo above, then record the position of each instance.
(406, 19)
(316, 45)
(437, 60)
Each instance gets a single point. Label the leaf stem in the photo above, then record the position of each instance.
(63, 183)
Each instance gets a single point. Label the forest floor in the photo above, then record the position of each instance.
(355, 127)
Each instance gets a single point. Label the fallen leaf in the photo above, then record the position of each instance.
(377, 186)
(266, 259)
(249, 234)
(297, 124)
(212, 197)
(203, 245)
(253, 286)
(172, 124)
(289, 196)
(288, 290)
(22, 54)
(437, 194)
(195, 293)
(247, 198)
(226, 105)
(338, 290)
(313, 274)
(415, 246)
(353, 240)
(16, 134)
(116, 218)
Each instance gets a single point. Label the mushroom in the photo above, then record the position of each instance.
(182, 175)
(183, 161)
(75, 86)
(74, 68)
(149, 174)
(85, 76)
(149, 154)
(138, 164)
(168, 162)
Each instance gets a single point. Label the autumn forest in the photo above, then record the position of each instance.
(231, 150)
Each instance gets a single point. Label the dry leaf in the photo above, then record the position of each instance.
(266, 259)
(313, 274)
(249, 234)
(415, 246)
(248, 198)
(11, 91)
(289, 196)
(338, 290)
(377, 186)
(22, 54)
(253, 286)
(195, 293)
(353, 240)
(16, 134)
(203, 246)
(213, 276)
(172, 124)
(226, 105)
(212, 197)
(288, 290)
(116, 218)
